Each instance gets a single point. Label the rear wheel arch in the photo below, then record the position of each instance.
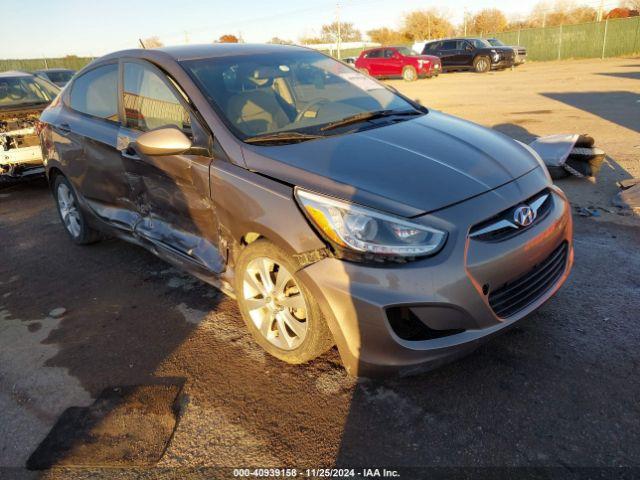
(52, 174)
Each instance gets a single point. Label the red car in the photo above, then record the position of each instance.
(399, 62)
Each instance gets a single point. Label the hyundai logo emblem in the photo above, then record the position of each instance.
(524, 216)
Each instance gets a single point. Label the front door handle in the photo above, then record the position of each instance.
(130, 154)
(64, 127)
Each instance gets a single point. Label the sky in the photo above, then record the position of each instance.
(53, 28)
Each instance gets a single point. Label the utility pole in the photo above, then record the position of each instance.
(600, 11)
(465, 21)
(544, 19)
(339, 39)
(186, 37)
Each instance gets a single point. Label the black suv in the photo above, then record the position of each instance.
(521, 52)
(470, 53)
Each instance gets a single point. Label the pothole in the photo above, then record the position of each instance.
(126, 426)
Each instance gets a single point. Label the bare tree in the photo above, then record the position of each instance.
(426, 24)
(631, 4)
(563, 12)
(280, 41)
(387, 36)
(489, 20)
(153, 42)
(228, 38)
(348, 33)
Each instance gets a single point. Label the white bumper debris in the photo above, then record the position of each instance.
(566, 154)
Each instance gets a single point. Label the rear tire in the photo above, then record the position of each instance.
(409, 74)
(71, 215)
(482, 64)
(364, 71)
(279, 311)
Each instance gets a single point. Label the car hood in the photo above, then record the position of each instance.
(505, 49)
(408, 168)
(431, 58)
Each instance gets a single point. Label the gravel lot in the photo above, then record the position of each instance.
(560, 390)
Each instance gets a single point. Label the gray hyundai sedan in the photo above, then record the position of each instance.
(334, 209)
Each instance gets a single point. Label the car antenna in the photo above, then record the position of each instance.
(142, 43)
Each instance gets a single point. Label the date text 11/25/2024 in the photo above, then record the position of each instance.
(316, 473)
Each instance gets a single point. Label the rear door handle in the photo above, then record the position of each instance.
(64, 127)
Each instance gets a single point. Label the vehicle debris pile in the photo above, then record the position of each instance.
(569, 154)
(629, 196)
(20, 153)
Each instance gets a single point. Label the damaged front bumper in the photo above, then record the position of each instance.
(407, 318)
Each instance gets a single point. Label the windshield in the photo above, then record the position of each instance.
(288, 91)
(495, 42)
(25, 90)
(480, 42)
(60, 76)
(407, 52)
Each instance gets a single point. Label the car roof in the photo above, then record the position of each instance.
(215, 50)
(14, 73)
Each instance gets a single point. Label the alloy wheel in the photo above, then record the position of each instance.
(409, 74)
(275, 302)
(482, 65)
(69, 210)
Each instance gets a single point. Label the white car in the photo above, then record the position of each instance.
(22, 98)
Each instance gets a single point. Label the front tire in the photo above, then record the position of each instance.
(409, 74)
(279, 311)
(482, 64)
(71, 216)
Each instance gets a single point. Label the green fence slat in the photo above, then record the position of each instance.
(577, 41)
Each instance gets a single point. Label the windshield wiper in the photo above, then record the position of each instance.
(364, 116)
(284, 137)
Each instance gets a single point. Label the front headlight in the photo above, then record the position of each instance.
(364, 231)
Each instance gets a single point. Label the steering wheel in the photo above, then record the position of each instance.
(17, 93)
(318, 102)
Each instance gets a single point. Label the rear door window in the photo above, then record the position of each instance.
(95, 93)
(149, 102)
(449, 45)
(374, 54)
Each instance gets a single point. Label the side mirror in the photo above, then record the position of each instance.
(164, 141)
(469, 48)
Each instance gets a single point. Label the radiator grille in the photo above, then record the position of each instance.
(522, 292)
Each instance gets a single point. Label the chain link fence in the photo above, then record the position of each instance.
(611, 38)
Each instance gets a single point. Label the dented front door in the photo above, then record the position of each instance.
(171, 192)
